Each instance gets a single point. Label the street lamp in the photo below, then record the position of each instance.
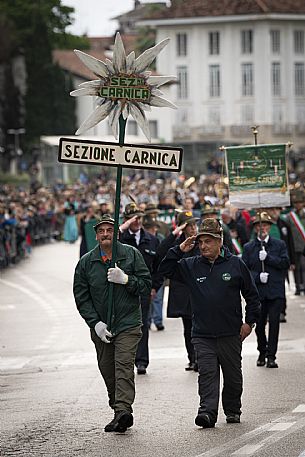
(18, 151)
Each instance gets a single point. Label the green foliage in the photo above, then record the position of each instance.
(33, 28)
(16, 180)
(68, 41)
(146, 38)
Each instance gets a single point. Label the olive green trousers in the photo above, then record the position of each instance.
(116, 364)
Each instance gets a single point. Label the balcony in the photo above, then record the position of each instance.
(282, 129)
(211, 130)
(240, 130)
(182, 131)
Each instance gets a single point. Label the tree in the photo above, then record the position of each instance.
(32, 29)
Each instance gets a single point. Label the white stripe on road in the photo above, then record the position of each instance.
(245, 448)
(299, 409)
(248, 449)
(303, 454)
(281, 426)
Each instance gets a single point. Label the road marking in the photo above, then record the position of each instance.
(303, 454)
(299, 409)
(248, 449)
(281, 426)
(245, 448)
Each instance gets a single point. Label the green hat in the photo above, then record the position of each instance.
(149, 222)
(132, 210)
(151, 208)
(105, 219)
(209, 210)
(212, 227)
(186, 217)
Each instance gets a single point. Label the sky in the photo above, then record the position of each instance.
(93, 17)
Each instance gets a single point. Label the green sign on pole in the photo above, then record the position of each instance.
(257, 175)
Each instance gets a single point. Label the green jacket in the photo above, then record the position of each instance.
(91, 288)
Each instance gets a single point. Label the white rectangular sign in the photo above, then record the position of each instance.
(112, 154)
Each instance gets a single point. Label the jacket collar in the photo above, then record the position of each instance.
(121, 253)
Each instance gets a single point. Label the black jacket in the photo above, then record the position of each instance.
(179, 302)
(148, 247)
(215, 291)
(286, 235)
(276, 264)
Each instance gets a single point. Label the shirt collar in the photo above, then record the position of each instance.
(265, 240)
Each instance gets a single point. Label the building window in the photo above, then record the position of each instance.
(299, 80)
(182, 82)
(181, 43)
(132, 127)
(246, 42)
(298, 38)
(247, 116)
(247, 79)
(214, 46)
(275, 38)
(214, 116)
(277, 115)
(276, 79)
(214, 71)
(153, 127)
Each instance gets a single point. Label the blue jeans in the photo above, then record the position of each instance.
(156, 309)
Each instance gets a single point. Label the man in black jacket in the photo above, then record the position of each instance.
(284, 233)
(215, 280)
(132, 233)
(267, 259)
(179, 304)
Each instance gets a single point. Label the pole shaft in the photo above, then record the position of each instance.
(110, 312)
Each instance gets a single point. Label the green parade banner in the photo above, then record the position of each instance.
(257, 176)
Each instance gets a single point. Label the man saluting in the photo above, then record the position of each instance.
(215, 279)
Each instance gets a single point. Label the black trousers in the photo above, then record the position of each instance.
(213, 353)
(142, 355)
(187, 331)
(270, 309)
(299, 272)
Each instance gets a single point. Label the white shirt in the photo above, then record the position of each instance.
(265, 240)
(137, 235)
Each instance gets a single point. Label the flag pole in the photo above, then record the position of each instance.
(117, 205)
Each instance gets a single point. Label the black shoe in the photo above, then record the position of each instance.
(141, 369)
(282, 318)
(195, 367)
(297, 292)
(120, 423)
(271, 364)
(261, 361)
(160, 327)
(233, 418)
(110, 427)
(203, 420)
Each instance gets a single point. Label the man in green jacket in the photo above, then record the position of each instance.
(115, 343)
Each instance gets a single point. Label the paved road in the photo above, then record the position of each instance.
(53, 401)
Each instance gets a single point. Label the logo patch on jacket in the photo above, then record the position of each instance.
(226, 276)
(203, 278)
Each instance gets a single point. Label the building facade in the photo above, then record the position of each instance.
(239, 64)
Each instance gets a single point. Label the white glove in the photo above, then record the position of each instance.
(101, 331)
(117, 275)
(263, 277)
(262, 255)
(179, 229)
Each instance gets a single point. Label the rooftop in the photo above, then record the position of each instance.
(195, 8)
